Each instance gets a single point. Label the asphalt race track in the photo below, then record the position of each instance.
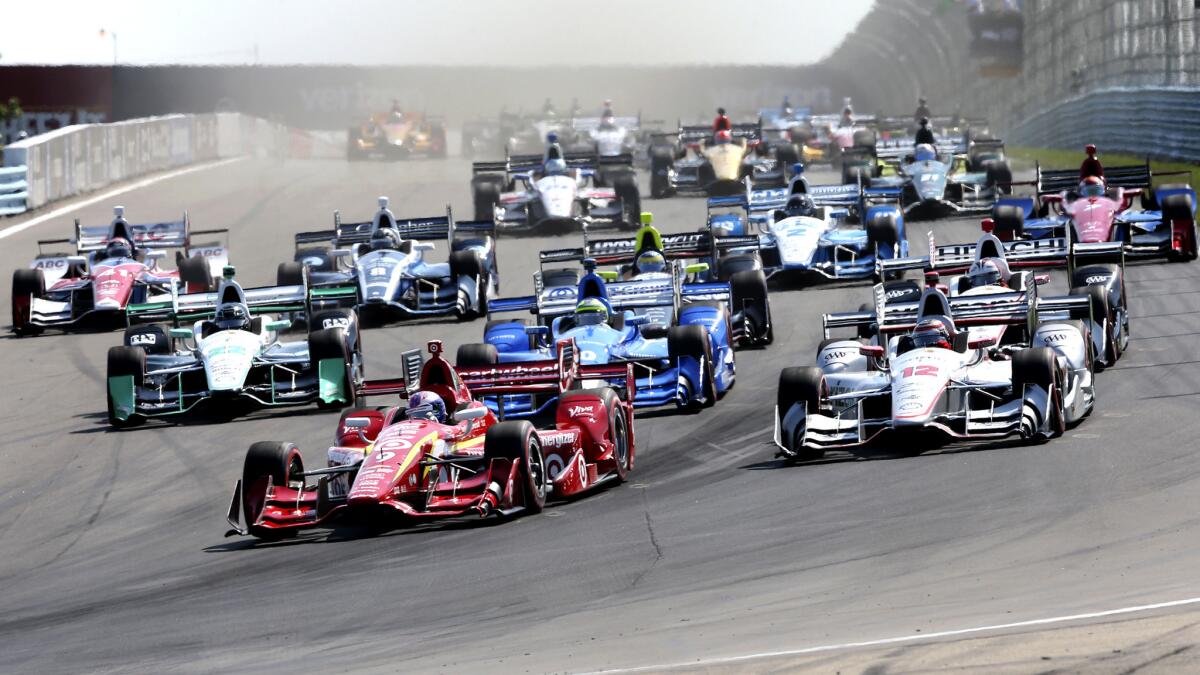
(112, 555)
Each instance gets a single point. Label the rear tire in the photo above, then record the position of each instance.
(281, 462)
(290, 274)
(999, 176)
(194, 273)
(125, 361)
(476, 355)
(883, 233)
(560, 277)
(625, 185)
(469, 264)
(802, 385)
(517, 440)
(152, 339)
(1178, 207)
(741, 262)
(662, 159)
(1008, 220)
(1102, 314)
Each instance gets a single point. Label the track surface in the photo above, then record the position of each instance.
(113, 556)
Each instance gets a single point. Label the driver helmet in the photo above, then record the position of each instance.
(385, 238)
(931, 332)
(720, 111)
(984, 273)
(925, 153)
(426, 405)
(232, 316)
(608, 121)
(118, 247)
(1092, 186)
(924, 121)
(723, 137)
(800, 205)
(847, 115)
(555, 167)
(651, 261)
(591, 312)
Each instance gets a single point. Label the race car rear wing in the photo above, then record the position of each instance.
(1051, 181)
(1018, 254)
(431, 228)
(165, 235)
(191, 306)
(411, 361)
(575, 160)
(551, 376)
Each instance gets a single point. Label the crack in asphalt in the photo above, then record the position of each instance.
(658, 552)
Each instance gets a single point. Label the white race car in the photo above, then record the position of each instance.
(969, 367)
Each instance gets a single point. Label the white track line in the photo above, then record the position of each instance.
(702, 663)
(145, 182)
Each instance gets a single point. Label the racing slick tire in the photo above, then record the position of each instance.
(125, 361)
(662, 159)
(195, 275)
(560, 277)
(517, 440)
(1008, 222)
(1102, 314)
(291, 274)
(469, 264)
(618, 427)
(787, 156)
(856, 171)
(1039, 366)
(999, 176)
(354, 152)
(742, 262)
(315, 259)
(279, 462)
(345, 320)
(475, 355)
(150, 338)
(625, 185)
(804, 385)
(748, 294)
(865, 138)
(883, 232)
(333, 343)
(693, 341)
(27, 284)
(485, 191)
(1178, 207)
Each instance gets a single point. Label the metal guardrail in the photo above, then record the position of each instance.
(14, 190)
(1162, 122)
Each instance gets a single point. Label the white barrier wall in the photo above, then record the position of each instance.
(86, 157)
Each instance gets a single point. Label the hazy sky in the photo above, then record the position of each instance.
(452, 32)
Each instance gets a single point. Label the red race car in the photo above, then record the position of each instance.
(447, 454)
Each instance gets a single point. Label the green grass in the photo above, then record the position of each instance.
(1065, 159)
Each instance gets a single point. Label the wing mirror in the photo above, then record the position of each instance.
(359, 424)
(636, 320)
(181, 333)
(696, 268)
(537, 330)
(278, 325)
(155, 255)
(874, 351)
(607, 275)
(469, 416)
(655, 331)
(422, 246)
(341, 253)
(1041, 279)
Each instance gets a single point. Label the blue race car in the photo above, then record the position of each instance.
(834, 231)
(679, 335)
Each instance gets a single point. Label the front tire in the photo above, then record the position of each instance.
(805, 386)
(279, 462)
(518, 441)
(693, 341)
(125, 361)
(27, 284)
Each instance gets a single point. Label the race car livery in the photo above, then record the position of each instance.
(379, 267)
(696, 164)
(397, 135)
(401, 465)
(111, 267)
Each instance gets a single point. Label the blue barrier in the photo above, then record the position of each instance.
(1162, 122)
(14, 190)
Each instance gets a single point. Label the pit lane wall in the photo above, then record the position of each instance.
(85, 157)
(1124, 74)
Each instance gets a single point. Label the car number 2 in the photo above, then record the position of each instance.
(920, 371)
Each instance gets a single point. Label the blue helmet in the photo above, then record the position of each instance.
(427, 405)
(555, 167)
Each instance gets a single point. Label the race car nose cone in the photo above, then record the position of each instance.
(107, 303)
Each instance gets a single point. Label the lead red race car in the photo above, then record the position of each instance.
(446, 454)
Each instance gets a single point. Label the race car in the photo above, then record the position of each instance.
(557, 190)
(933, 182)
(446, 454)
(111, 267)
(1095, 270)
(231, 353)
(680, 335)
(972, 367)
(717, 163)
(831, 231)
(379, 267)
(1098, 209)
(397, 135)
